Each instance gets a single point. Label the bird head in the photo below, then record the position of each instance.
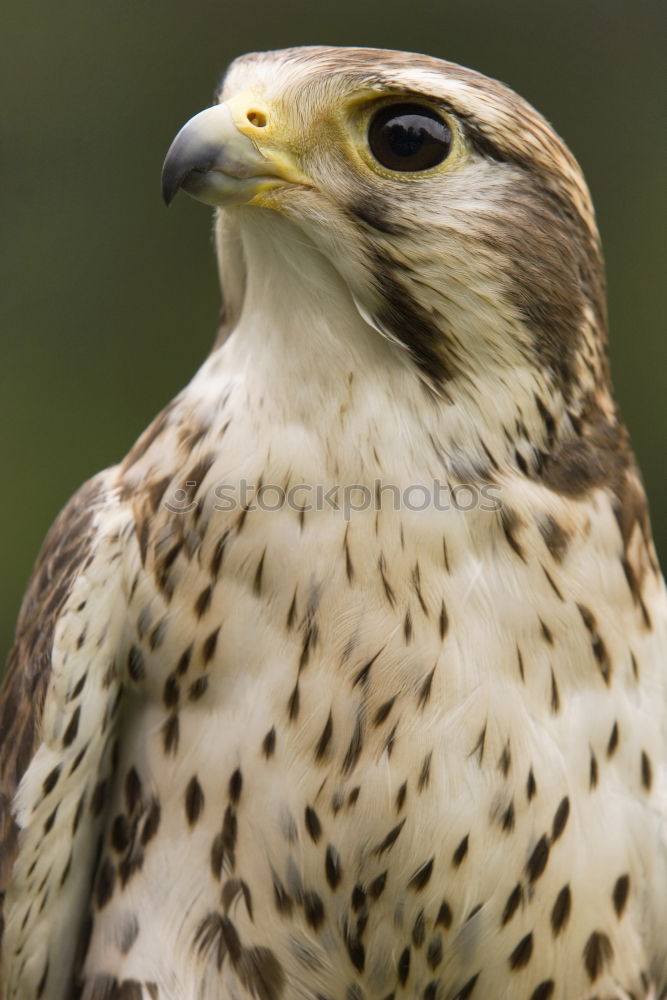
(457, 220)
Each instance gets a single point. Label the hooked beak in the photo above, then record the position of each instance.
(214, 162)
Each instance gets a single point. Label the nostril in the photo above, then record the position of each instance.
(257, 118)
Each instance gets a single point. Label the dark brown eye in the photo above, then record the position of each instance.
(409, 137)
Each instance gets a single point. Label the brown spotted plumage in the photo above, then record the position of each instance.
(349, 683)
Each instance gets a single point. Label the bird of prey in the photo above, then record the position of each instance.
(349, 681)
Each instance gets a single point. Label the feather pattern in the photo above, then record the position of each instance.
(283, 729)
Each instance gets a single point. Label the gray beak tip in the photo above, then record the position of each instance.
(172, 178)
(185, 159)
(211, 160)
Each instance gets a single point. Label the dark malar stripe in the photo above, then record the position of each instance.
(402, 317)
(376, 215)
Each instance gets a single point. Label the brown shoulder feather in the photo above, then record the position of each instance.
(64, 553)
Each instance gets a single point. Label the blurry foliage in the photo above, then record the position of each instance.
(109, 302)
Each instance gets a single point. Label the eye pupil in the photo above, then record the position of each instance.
(409, 137)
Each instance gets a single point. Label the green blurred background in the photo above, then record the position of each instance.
(109, 301)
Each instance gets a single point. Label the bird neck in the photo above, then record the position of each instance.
(307, 355)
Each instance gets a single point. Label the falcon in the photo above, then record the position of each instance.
(349, 681)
